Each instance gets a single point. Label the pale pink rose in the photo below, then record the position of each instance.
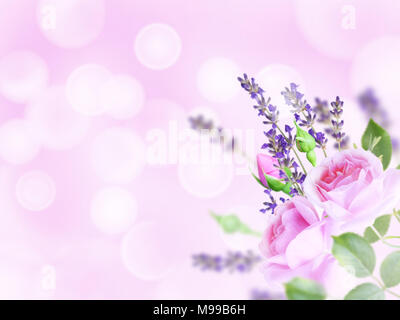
(296, 243)
(352, 188)
(267, 164)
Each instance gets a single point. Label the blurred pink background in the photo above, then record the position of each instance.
(87, 85)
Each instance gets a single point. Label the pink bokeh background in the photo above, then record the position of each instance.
(85, 83)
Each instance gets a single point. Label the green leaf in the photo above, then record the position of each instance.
(355, 254)
(390, 270)
(398, 166)
(381, 224)
(370, 235)
(377, 140)
(366, 291)
(304, 289)
(232, 224)
(258, 180)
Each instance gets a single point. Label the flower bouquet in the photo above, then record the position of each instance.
(327, 211)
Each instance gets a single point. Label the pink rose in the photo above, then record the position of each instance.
(352, 188)
(266, 164)
(296, 243)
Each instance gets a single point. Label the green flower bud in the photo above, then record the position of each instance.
(304, 141)
(278, 185)
(286, 188)
(273, 183)
(312, 157)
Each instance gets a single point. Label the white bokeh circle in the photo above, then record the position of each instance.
(273, 79)
(206, 179)
(122, 96)
(147, 251)
(54, 122)
(84, 87)
(113, 210)
(71, 23)
(157, 46)
(217, 79)
(23, 74)
(35, 190)
(17, 143)
(377, 66)
(340, 28)
(118, 155)
(168, 111)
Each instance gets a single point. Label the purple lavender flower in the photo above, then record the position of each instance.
(262, 294)
(294, 98)
(232, 262)
(337, 124)
(279, 143)
(371, 105)
(265, 109)
(271, 204)
(208, 262)
(320, 138)
(304, 115)
(217, 134)
(309, 118)
(322, 111)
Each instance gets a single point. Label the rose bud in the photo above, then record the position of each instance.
(269, 174)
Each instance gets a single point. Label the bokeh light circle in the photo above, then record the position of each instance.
(113, 210)
(148, 251)
(157, 46)
(118, 155)
(217, 79)
(54, 122)
(273, 79)
(340, 28)
(84, 87)
(122, 96)
(71, 23)
(35, 190)
(17, 144)
(23, 74)
(206, 179)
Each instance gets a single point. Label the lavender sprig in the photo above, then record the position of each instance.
(294, 98)
(371, 105)
(261, 294)
(232, 262)
(321, 108)
(263, 105)
(272, 203)
(279, 144)
(337, 123)
(217, 134)
(324, 116)
(305, 115)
